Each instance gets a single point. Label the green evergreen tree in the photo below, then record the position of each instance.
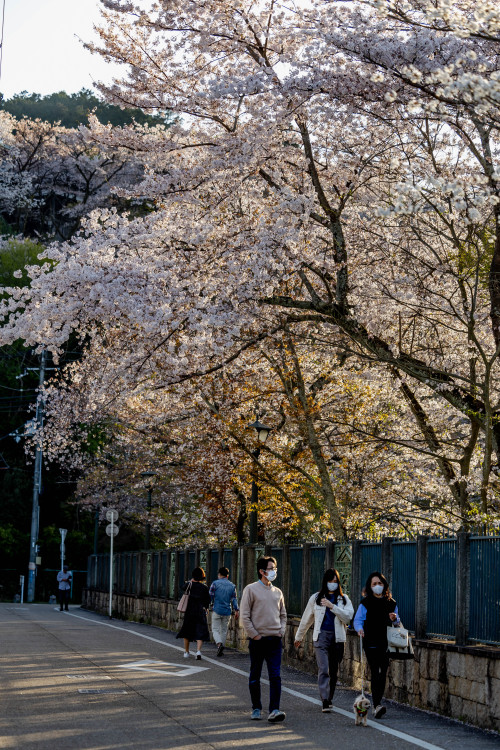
(72, 110)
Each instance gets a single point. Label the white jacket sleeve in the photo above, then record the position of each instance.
(343, 611)
(306, 620)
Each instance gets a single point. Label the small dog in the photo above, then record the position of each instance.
(361, 706)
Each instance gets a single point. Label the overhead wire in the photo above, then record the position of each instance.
(1, 39)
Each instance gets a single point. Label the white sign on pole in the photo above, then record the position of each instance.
(112, 515)
(111, 529)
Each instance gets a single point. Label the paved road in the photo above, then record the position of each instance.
(79, 680)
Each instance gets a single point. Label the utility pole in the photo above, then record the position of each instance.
(37, 482)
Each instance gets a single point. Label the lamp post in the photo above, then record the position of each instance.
(149, 476)
(262, 433)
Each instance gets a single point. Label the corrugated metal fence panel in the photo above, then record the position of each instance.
(442, 594)
(182, 572)
(214, 563)
(228, 560)
(91, 568)
(149, 570)
(277, 553)
(371, 559)
(98, 571)
(316, 568)
(404, 572)
(105, 573)
(164, 575)
(191, 565)
(171, 577)
(295, 591)
(155, 589)
(485, 589)
(127, 566)
(133, 575)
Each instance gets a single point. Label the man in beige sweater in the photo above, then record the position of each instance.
(263, 616)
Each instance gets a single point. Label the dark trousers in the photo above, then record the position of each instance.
(378, 661)
(267, 649)
(64, 598)
(328, 654)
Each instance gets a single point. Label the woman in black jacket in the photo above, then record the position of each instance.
(195, 626)
(376, 612)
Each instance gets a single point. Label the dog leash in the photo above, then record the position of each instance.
(362, 666)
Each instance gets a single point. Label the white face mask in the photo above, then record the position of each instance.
(271, 574)
(332, 586)
(378, 588)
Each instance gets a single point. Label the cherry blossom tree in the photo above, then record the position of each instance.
(334, 173)
(52, 176)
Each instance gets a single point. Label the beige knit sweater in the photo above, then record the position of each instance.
(262, 610)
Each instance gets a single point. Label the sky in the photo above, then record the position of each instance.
(41, 50)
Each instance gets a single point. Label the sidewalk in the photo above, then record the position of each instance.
(79, 680)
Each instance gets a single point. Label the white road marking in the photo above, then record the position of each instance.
(375, 725)
(98, 691)
(148, 665)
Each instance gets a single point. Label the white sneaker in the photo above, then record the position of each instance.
(186, 654)
(198, 655)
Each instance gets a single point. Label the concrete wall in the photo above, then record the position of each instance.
(462, 682)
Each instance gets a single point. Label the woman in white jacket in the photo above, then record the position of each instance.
(330, 611)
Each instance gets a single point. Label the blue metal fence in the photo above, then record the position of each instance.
(214, 562)
(277, 553)
(442, 594)
(403, 585)
(371, 559)
(294, 604)
(164, 575)
(191, 565)
(316, 568)
(182, 572)
(484, 614)
(228, 559)
(156, 573)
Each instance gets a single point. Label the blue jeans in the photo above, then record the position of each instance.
(267, 649)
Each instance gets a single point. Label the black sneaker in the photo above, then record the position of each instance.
(327, 707)
(379, 711)
(276, 715)
(220, 649)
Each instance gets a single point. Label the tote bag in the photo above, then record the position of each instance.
(183, 602)
(399, 643)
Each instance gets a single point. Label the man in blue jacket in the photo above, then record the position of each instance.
(223, 593)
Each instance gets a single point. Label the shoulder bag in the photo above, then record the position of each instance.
(183, 602)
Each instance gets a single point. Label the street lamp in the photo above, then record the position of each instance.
(149, 476)
(262, 433)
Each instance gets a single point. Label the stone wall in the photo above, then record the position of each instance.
(462, 682)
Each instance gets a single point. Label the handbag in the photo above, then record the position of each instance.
(399, 643)
(183, 601)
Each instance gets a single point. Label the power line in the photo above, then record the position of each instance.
(1, 39)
